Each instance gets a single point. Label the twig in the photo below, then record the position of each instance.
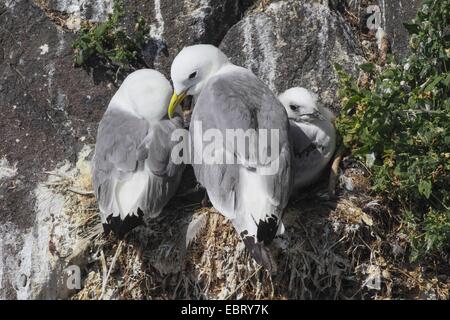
(104, 267)
(264, 5)
(81, 192)
(365, 167)
(243, 283)
(56, 174)
(335, 172)
(17, 71)
(54, 184)
(95, 231)
(117, 75)
(352, 15)
(113, 262)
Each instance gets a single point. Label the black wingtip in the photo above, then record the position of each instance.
(267, 230)
(120, 227)
(259, 252)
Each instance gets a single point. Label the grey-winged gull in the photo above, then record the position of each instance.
(313, 135)
(228, 97)
(133, 173)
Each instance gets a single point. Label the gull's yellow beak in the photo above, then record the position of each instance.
(175, 102)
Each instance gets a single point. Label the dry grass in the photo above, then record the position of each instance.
(331, 250)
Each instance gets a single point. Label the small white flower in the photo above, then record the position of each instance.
(370, 159)
(407, 67)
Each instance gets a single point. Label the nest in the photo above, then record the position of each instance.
(347, 248)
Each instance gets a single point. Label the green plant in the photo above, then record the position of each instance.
(109, 43)
(401, 124)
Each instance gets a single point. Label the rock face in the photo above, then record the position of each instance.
(93, 10)
(179, 23)
(174, 24)
(394, 14)
(294, 43)
(49, 110)
(36, 258)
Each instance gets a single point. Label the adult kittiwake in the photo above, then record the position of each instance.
(133, 173)
(232, 103)
(313, 135)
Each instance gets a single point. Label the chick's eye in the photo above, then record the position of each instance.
(293, 107)
(193, 75)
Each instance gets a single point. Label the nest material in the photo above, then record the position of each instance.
(344, 249)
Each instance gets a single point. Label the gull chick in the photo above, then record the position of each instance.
(313, 135)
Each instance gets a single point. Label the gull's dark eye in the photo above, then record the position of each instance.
(193, 75)
(293, 107)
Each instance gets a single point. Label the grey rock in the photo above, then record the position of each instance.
(43, 100)
(174, 24)
(180, 23)
(295, 43)
(93, 10)
(394, 14)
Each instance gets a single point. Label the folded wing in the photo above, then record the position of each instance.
(251, 194)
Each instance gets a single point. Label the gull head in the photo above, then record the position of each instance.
(191, 70)
(301, 106)
(145, 93)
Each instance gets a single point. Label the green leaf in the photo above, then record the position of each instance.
(425, 188)
(99, 49)
(446, 81)
(433, 84)
(100, 30)
(412, 28)
(338, 67)
(367, 67)
(352, 101)
(79, 59)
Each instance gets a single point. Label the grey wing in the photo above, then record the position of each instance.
(159, 144)
(306, 157)
(165, 173)
(299, 139)
(241, 101)
(116, 157)
(312, 151)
